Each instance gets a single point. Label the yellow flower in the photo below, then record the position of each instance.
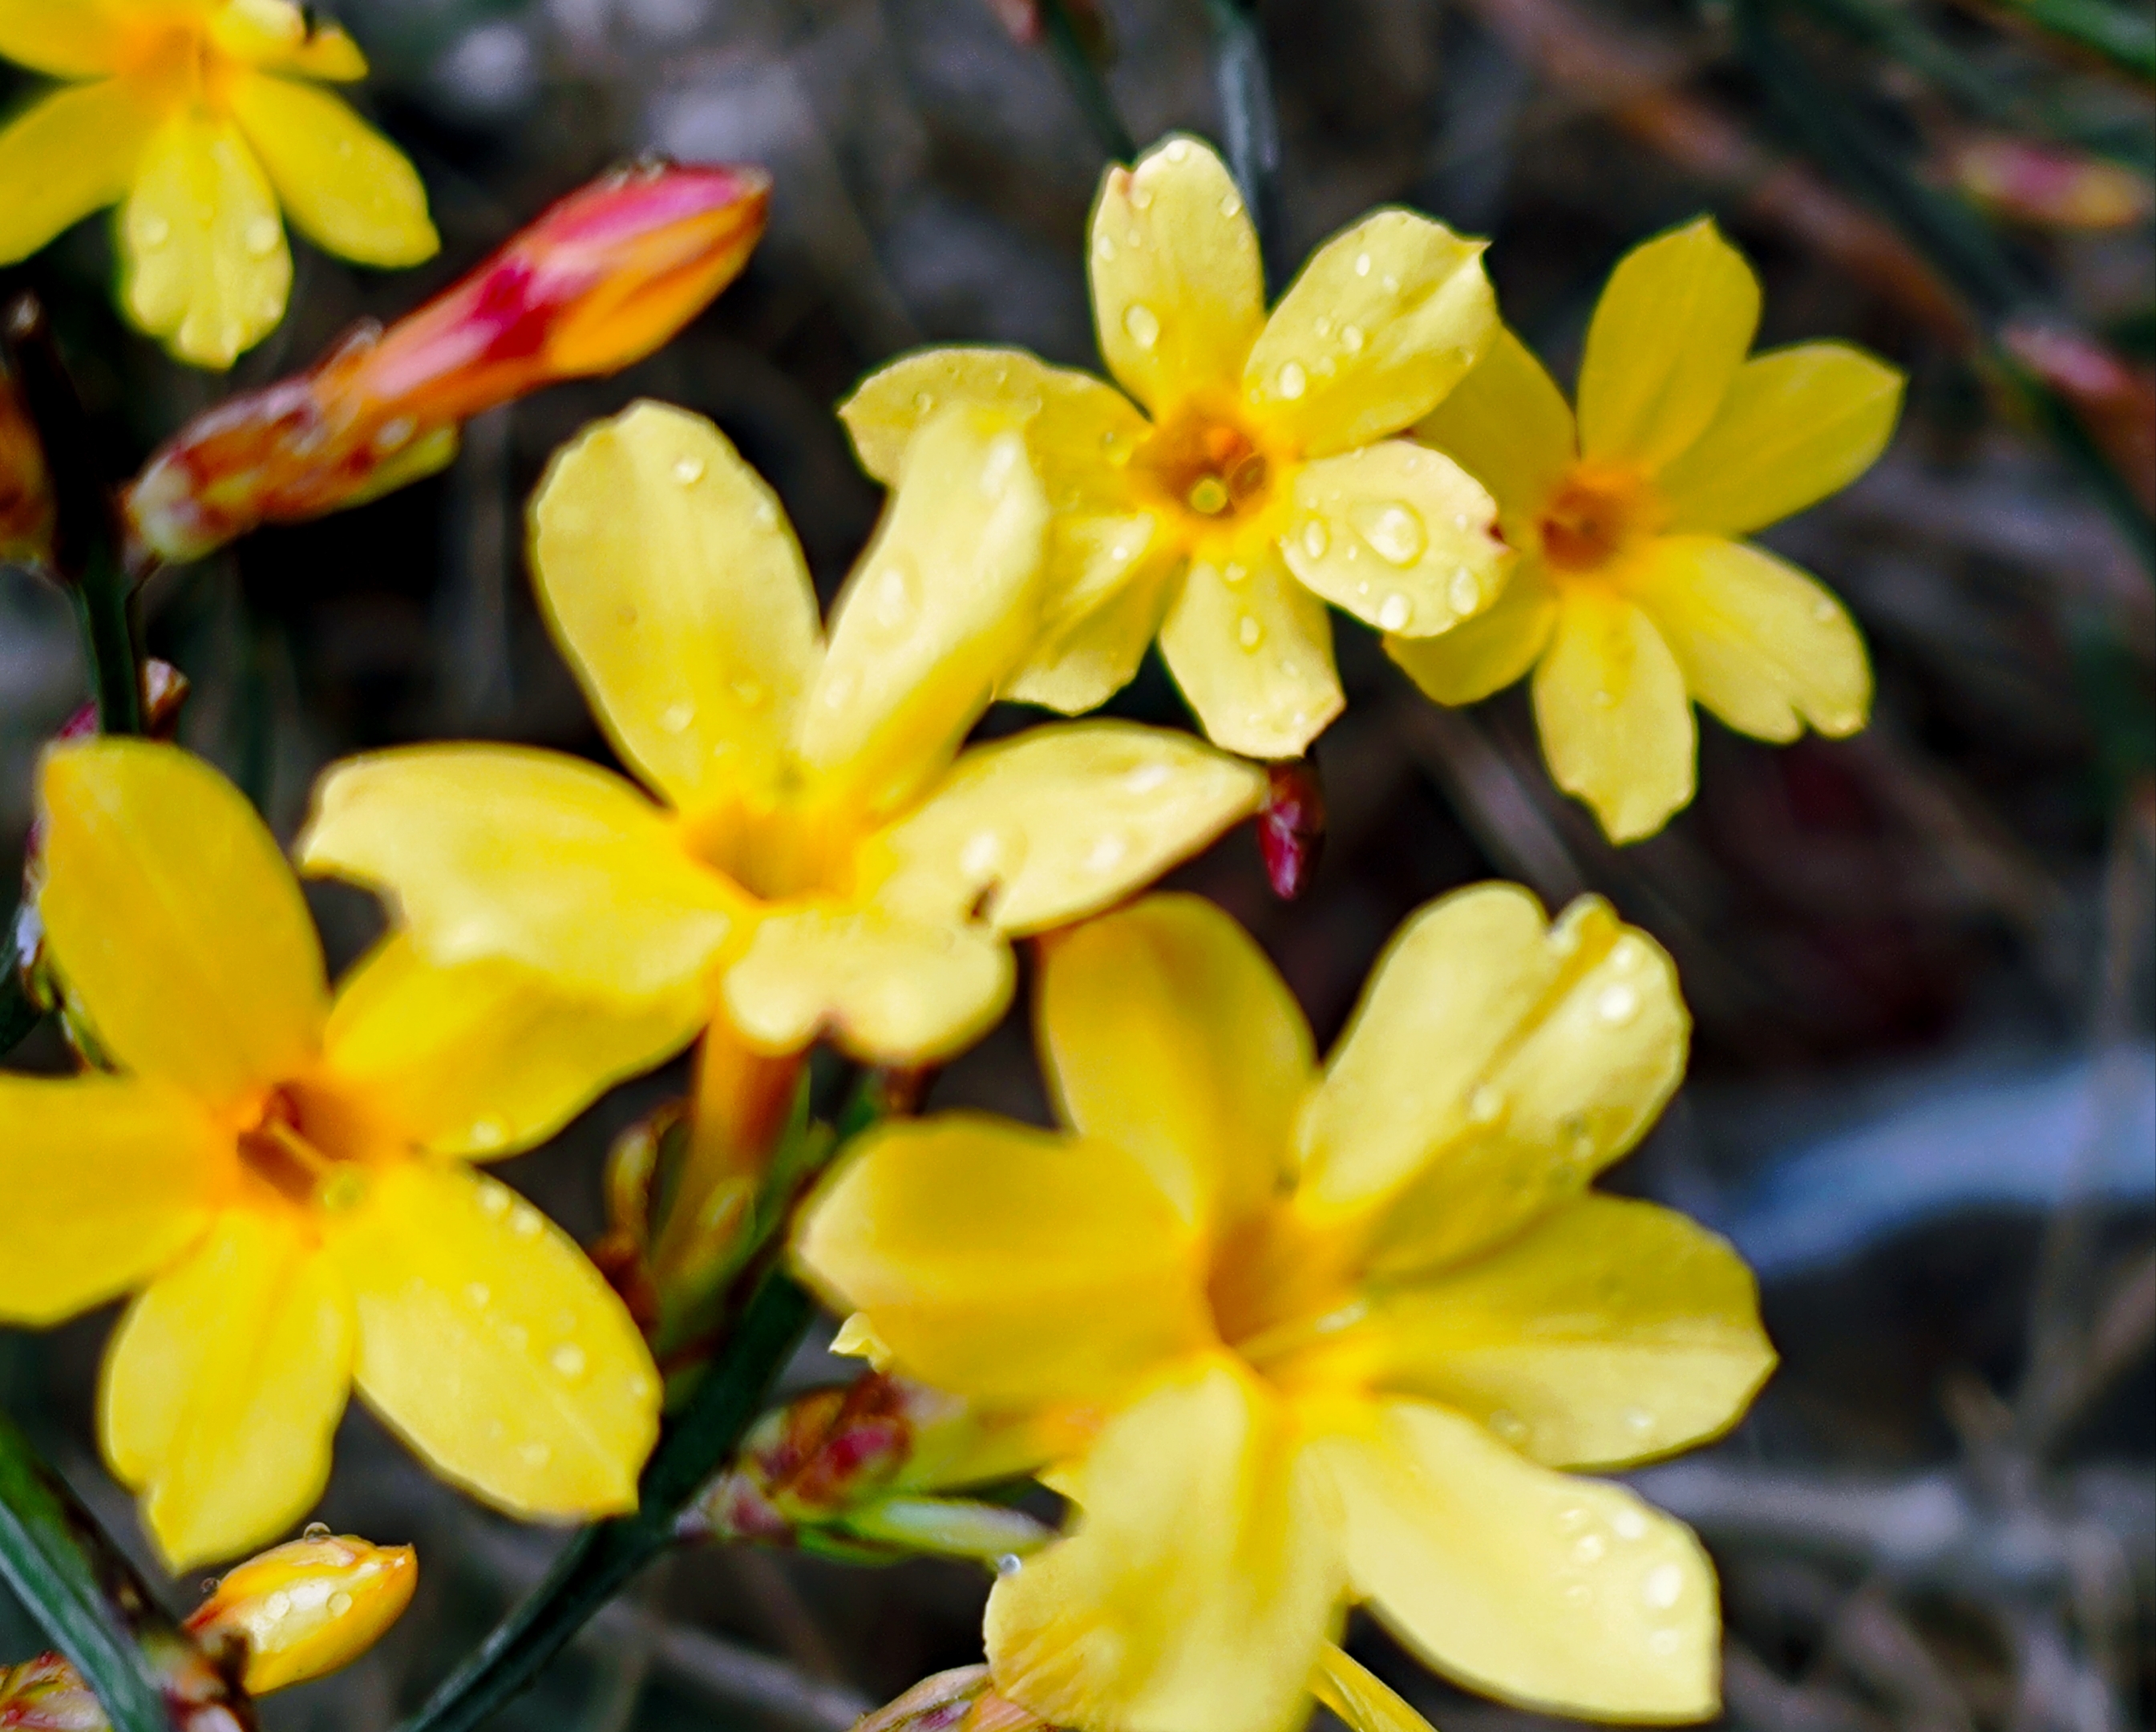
(815, 859)
(1334, 1331)
(1267, 481)
(1631, 599)
(309, 1607)
(280, 1174)
(193, 117)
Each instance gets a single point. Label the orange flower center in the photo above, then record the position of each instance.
(1201, 460)
(300, 1139)
(1595, 514)
(1278, 1290)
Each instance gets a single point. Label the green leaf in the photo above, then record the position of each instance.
(2124, 35)
(83, 1593)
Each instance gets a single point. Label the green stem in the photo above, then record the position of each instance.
(1082, 78)
(104, 618)
(601, 1560)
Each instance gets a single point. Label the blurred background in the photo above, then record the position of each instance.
(1923, 1097)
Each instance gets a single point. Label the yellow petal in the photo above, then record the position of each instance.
(74, 152)
(223, 1385)
(1760, 644)
(67, 41)
(529, 856)
(680, 597)
(886, 988)
(1508, 425)
(1544, 1590)
(280, 37)
(1073, 1275)
(939, 611)
(1667, 338)
(482, 1060)
(1495, 1064)
(350, 190)
(107, 1178)
(176, 920)
(1399, 535)
(1114, 580)
(205, 266)
(1203, 1581)
(1362, 1701)
(493, 1347)
(1487, 653)
(1608, 1332)
(1179, 292)
(1610, 706)
(1798, 425)
(1254, 658)
(307, 1608)
(1385, 319)
(1060, 822)
(1166, 1031)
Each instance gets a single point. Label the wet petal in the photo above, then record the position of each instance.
(164, 893)
(1060, 822)
(938, 614)
(1609, 1331)
(1099, 624)
(63, 41)
(1616, 725)
(1798, 425)
(348, 189)
(493, 1347)
(280, 37)
(107, 1179)
(205, 266)
(1254, 658)
(1179, 292)
(1544, 1590)
(1202, 1583)
(1166, 1031)
(1664, 347)
(1760, 644)
(528, 856)
(72, 153)
(223, 1385)
(1074, 1274)
(1397, 535)
(679, 595)
(1487, 653)
(482, 1060)
(1495, 1065)
(1385, 319)
(1508, 425)
(886, 987)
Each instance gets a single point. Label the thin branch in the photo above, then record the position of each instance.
(1082, 78)
(1251, 117)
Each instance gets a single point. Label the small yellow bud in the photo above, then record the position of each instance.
(309, 1607)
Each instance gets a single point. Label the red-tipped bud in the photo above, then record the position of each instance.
(1291, 827)
(599, 281)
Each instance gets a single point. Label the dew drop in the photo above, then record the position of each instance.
(568, 1360)
(749, 695)
(894, 601)
(1249, 633)
(1392, 284)
(1351, 338)
(478, 1295)
(1628, 1523)
(982, 852)
(1589, 1548)
(1233, 572)
(1178, 151)
(1231, 206)
(1147, 777)
(316, 1531)
(688, 470)
(153, 232)
(1619, 1004)
(340, 1604)
(1323, 327)
(1141, 198)
(1106, 853)
(493, 1198)
(535, 1454)
(639, 1386)
(1571, 1517)
(1638, 1421)
(1485, 1105)
(1395, 612)
(1465, 594)
(516, 1337)
(1104, 247)
(524, 1221)
(278, 1606)
(1315, 540)
(262, 236)
(1362, 264)
(1508, 1426)
(1394, 532)
(1009, 1564)
(395, 433)
(1292, 380)
(1133, 238)
(1823, 611)
(1142, 324)
(1605, 700)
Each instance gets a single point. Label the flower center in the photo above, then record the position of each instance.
(1203, 460)
(1595, 514)
(775, 850)
(1278, 1290)
(302, 1143)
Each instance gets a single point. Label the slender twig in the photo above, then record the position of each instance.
(1082, 78)
(1250, 117)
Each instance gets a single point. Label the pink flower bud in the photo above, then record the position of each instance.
(1291, 827)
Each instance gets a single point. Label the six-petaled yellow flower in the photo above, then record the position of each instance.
(196, 117)
(1632, 598)
(820, 858)
(1336, 1332)
(1263, 477)
(281, 1175)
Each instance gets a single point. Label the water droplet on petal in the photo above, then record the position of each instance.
(525, 1222)
(1142, 324)
(1249, 633)
(1628, 1523)
(1315, 540)
(478, 1295)
(262, 236)
(1351, 338)
(1571, 1517)
(1323, 327)
(1605, 700)
(749, 695)
(1508, 1426)
(688, 470)
(1394, 532)
(1362, 264)
(535, 1454)
(1392, 284)
(395, 433)
(153, 231)
(1141, 198)
(317, 1531)
(1589, 1548)
(894, 596)
(1395, 613)
(1178, 151)
(1231, 206)
(982, 853)
(1292, 380)
(1619, 1004)
(568, 1360)
(1464, 593)
(1104, 247)
(340, 1604)
(277, 1607)
(1009, 1564)
(494, 1198)
(1485, 1105)
(1147, 777)
(1824, 610)
(1106, 853)
(1233, 572)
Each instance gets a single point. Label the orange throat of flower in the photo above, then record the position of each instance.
(1208, 468)
(1595, 516)
(306, 1144)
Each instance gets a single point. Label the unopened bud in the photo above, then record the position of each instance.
(47, 1694)
(960, 1701)
(1291, 827)
(599, 282)
(307, 1608)
(27, 510)
(2049, 185)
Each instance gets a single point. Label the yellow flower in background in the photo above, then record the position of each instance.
(1260, 479)
(1632, 597)
(280, 1176)
(819, 856)
(197, 118)
(1335, 1333)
